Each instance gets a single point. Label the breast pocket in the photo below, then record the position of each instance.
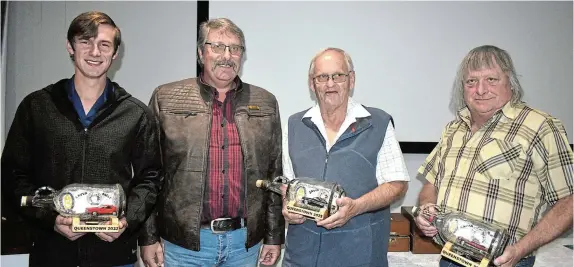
(259, 124)
(260, 113)
(500, 160)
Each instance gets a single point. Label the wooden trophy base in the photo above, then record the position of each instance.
(95, 226)
(309, 213)
(448, 253)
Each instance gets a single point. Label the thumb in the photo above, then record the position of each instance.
(343, 201)
(502, 258)
(262, 254)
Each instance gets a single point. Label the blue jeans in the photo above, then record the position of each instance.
(526, 262)
(224, 250)
(127, 265)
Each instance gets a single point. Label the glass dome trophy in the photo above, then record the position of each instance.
(315, 199)
(92, 207)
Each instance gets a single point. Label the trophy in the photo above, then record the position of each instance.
(470, 242)
(312, 198)
(92, 207)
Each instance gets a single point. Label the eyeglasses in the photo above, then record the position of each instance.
(337, 77)
(104, 47)
(218, 48)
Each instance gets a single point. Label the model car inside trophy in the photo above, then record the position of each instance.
(92, 207)
(312, 198)
(470, 242)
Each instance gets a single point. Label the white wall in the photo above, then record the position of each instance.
(158, 46)
(406, 53)
(3, 76)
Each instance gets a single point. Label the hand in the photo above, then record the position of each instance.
(347, 210)
(423, 224)
(152, 255)
(269, 254)
(63, 226)
(291, 218)
(509, 258)
(110, 236)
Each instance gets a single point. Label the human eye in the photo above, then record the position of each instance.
(470, 81)
(235, 48)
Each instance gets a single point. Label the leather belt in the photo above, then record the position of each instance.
(222, 225)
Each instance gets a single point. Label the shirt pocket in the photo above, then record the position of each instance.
(500, 160)
(254, 111)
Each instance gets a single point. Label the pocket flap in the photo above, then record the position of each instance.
(499, 159)
(260, 111)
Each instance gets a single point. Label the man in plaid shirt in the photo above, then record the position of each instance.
(500, 161)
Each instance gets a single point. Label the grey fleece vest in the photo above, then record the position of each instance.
(351, 162)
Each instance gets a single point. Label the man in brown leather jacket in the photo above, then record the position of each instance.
(218, 136)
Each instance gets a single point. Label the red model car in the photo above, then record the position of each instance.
(102, 210)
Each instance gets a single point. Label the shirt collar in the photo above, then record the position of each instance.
(236, 87)
(509, 110)
(354, 110)
(71, 89)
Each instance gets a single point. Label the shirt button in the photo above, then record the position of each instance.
(223, 147)
(223, 171)
(222, 125)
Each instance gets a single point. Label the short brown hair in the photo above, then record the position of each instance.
(85, 26)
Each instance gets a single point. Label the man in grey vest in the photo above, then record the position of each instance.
(342, 141)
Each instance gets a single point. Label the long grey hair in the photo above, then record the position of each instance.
(481, 57)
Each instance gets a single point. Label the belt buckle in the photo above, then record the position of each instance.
(218, 219)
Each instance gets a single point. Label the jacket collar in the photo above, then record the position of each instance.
(59, 93)
(207, 91)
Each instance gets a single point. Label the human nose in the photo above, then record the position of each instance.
(95, 50)
(330, 82)
(481, 88)
(227, 52)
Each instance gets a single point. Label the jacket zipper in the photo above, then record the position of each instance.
(325, 172)
(244, 175)
(84, 138)
(328, 153)
(84, 142)
(325, 167)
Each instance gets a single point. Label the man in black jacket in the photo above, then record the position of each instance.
(86, 129)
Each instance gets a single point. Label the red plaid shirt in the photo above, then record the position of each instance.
(224, 195)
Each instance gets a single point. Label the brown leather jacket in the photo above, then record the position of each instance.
(183, 109)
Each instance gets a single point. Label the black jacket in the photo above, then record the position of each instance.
(48, 146)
